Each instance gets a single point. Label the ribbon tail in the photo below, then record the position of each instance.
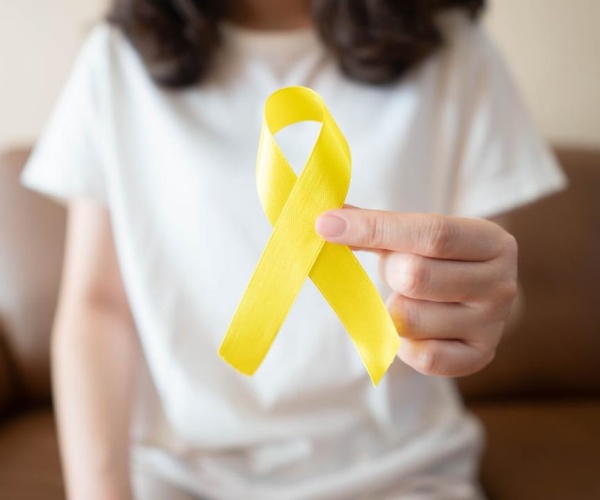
(266, 302)
(353, 296)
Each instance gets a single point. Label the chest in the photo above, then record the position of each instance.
(186, 171)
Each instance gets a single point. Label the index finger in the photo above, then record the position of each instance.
(429, 235)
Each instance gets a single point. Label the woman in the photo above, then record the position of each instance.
(152, 145)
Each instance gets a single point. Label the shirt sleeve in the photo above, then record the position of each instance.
(68, 157)
(503, 162)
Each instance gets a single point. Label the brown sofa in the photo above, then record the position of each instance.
(539, 400)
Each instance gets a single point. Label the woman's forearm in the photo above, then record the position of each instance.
(94, 354)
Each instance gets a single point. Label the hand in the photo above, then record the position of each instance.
(454, 280)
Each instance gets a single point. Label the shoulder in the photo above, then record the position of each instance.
(468, 50)
(102, 42)
(468, 74)
(104, 38)
(106, 53)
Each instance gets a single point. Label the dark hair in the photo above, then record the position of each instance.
(375, 41)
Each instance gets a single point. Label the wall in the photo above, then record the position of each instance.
(38, 41)
(553, 47)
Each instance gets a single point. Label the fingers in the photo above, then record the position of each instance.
(425, 320)
(420, 320)
(436, 280)
(445, 358)
(454, 281)
(450, 340)
(435, 236)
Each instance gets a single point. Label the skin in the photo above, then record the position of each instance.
(453, 280)
(95, 353)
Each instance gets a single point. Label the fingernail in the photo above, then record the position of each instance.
(331, 226)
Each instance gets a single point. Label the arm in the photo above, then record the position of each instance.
(94, 355)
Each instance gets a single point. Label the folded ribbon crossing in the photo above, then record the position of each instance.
(295, 250)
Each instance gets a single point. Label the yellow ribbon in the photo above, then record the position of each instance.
(295, 250)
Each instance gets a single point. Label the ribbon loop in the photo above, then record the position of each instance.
(295, 251)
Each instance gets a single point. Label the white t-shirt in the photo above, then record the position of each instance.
(176, 170)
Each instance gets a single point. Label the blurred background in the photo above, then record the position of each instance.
(540, 399)
(552, 47)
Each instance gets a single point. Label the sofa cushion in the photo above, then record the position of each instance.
(547, 450)
(6, 375)
(29, 459)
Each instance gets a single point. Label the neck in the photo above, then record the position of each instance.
(272, 14)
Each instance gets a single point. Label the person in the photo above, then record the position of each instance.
(152, 145)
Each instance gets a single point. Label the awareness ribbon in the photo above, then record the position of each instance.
(295, 250)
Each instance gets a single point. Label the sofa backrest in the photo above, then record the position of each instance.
(555, 350)
(32, 232)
